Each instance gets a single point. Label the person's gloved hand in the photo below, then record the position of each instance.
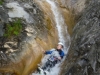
(43, 51)
(59, 58)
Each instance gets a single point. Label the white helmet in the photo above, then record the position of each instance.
(60, 43)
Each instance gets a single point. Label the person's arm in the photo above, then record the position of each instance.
(62, 55)
(47, 52)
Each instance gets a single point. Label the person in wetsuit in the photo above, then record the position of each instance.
(56, 56)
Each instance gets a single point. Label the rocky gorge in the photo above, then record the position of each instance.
(29, 26)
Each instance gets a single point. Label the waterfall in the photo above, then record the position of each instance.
(62, 33)
(61, 26)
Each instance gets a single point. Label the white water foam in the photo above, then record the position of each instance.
(62, 33)
(61, 26)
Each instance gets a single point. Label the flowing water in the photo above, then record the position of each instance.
(60, 24)
(62, 34)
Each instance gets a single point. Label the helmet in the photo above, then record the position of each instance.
(60, 43)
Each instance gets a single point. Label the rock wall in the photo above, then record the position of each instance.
(83, 57)
(20, 52)
(72, 11)
(21, 49)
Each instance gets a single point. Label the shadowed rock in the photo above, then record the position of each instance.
(84, 55)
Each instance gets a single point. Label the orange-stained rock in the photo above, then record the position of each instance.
(41, 35)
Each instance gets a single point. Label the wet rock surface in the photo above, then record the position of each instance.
(11, 50)
(36, 34)
(84, 55)
(24, 32)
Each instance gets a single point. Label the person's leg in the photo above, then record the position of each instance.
(54, 63)
(47, 64)
(51, 65)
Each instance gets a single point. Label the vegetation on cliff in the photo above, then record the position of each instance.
(13, 28)
(1, 2)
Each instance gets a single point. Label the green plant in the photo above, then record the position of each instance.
(13, 29)
(1, 2)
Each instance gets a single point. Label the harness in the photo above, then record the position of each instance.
(54, 56)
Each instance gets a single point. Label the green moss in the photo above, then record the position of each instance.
(13, 29)
(1, 2)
